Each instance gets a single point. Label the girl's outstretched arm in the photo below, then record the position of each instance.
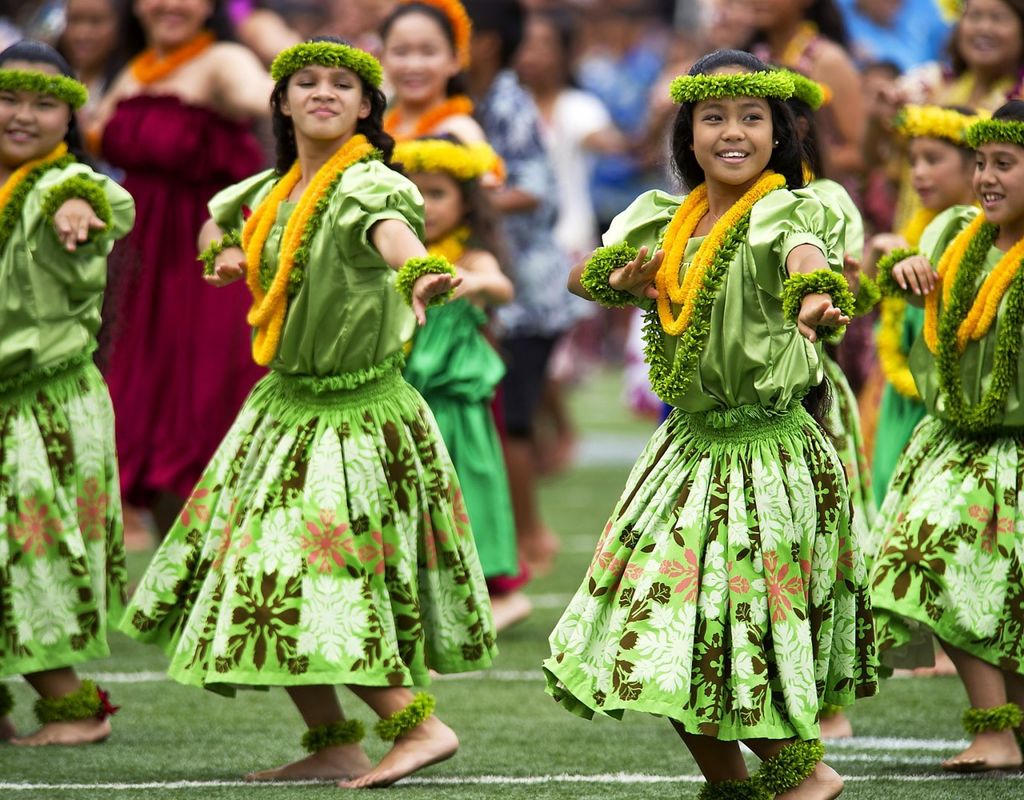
(815, 308)
(397, 243)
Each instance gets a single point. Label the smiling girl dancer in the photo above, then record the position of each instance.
(327, 542)
(951, 528)
(727, 592)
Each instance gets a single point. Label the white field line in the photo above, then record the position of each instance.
(620, 778)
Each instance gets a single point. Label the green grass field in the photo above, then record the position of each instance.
(175, 742)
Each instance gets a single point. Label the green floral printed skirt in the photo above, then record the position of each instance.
(726, 592)
(843, 423)
(62, 566)
(950, 544)
(327, 542)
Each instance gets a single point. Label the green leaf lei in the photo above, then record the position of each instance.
(806, 91)
(12, 210)
(600, 266)
(886, 283)
(302, 252)
(790, 767)
(995, 130)
(62, 87)
(868, 295)
(766, 83)
(83, 188)
(982, 417)
(824, 281)
(218, 246)
(84, 703)
(333, 734)
(998, 718)
(327, 54)
(749, 789)
(401, 722)
(415, 268)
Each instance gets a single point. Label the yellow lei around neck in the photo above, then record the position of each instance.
(14, 181)
(451, 246)
(679, 232)
(268, 308)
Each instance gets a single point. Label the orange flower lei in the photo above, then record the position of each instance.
(462, 25)
(148, 67)
(683, 224)
(460, 105)
(268, 308)
(949, 263)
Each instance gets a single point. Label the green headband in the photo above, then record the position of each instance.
(805, 90)
(995, 130)
(327, 54)
(694, 88)
(60, 86)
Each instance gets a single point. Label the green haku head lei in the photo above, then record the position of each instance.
(995, 130)
(694, 88)
(805, 90)
(60, 86)
(327, 54)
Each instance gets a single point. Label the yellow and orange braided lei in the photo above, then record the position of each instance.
(268, 308)
(683, 224)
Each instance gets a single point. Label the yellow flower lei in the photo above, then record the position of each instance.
(451, 246)
(16, 177)
(268, 308)
(935, 122)
(948, 266)
(683, 224)
(464, 162)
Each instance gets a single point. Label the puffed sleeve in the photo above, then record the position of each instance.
(644, 221)
(370, 193)
(839, 205)
(942, 230)
(231, 206)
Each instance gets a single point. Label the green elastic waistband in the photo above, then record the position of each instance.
(748, 423)
(32, 379)
(335, 391)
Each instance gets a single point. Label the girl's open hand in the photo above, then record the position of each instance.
(815, 310)
(228, 267)
(915, 274)
(637, 277)
(426, 288)
(74, 222)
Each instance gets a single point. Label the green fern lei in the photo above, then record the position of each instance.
(981, 417)
(997, 718)
(886, 283)
(298, 273)
(670, 381)
(12, 210)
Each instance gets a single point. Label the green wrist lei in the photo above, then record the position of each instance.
(327, 54)
(602, 263)
(999, 718)
(62, 87)
(6, 701)
(416, 268)
(823, 281)
(750, 789)
(694, 88)
(84, 189)
(868, 295)
(83, 704)
(983, 416)
(805, 90)
(333, 734)
(12, 210)
(401, 722)
(790, 767)
(995, 130)
(886, 283)
(218, 246)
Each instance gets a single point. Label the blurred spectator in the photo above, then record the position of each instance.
(881, 152)
(906, 33)
(729, 24)
(92, 45)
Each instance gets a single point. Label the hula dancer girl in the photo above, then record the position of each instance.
(426, 53)
(62, 566)
(327, 542)
(727, 592)
(950, 527)
(452, 364)
(941, 172)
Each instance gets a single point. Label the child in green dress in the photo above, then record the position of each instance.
(727, 592)
(62, 568)
(327, 542)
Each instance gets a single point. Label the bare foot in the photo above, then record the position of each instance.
(538, 550)
(991, 750)
(7, 729)
(836, 726)
(426, 744)
(342, 762)
(508, 609)
(822, 784)
(84, 731)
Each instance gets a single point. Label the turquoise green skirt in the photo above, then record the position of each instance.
(62, 563)
(327, 542)
(726, 592)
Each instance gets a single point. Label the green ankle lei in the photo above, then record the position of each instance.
(401, 722)
(790, 767)
(88, 702)
(333, 734)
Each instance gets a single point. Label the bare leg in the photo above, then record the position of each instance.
(428, 743)
(1015, 694)
(56, 683)
(823, 783)
(835, 726)
(718, 761)
(509, 609)
(537, 544)
(319, 706)
(556, 438)
(7, 729)
(985, 688)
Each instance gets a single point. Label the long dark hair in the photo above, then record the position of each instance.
(118, 58)
(502, 17)
(32, 50)
(457, 83)
(133, 36)
(786, 157)
(284, 129)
